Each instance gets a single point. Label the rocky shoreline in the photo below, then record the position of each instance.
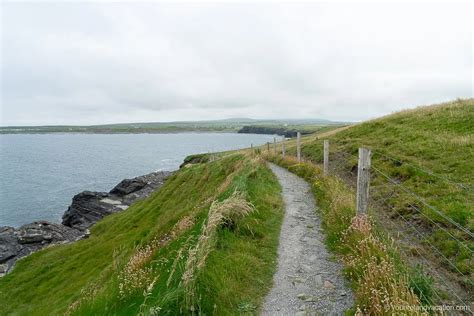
(86, 209)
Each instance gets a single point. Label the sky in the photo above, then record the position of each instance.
(90, 63)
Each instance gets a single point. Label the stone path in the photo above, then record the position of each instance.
(308, 280)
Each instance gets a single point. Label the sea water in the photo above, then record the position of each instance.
(40, 173)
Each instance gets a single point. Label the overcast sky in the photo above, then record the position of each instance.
(92, 63)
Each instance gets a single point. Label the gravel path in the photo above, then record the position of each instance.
(308, 280)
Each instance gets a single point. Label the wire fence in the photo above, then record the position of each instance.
(410, 235)
(463, 186)
(415, 228)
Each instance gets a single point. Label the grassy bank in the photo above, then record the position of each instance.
(422, 173)
(205, 242)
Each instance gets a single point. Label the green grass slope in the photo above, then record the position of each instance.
(134, 262)
(428, 154)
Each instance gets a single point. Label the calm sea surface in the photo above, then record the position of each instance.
(39, 174)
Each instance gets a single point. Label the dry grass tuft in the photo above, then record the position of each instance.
(222, 213)
(137, 275)
(380, 293)
(361, 224)
(381, 289)
(179, 256)
(87, 294)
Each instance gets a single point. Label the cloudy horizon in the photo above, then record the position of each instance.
(100, 63)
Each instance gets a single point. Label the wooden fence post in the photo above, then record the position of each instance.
(274, 146)
(298, 146)
(363, 180)
(283, 147)
(326, 157)
(268, 147)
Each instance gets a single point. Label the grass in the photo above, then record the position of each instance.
(134, 261)
(427, 151)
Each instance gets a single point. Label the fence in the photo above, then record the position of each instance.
(411, 237)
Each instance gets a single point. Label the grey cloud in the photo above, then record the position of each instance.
(91, 63)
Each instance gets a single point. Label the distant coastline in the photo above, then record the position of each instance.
(219, 126)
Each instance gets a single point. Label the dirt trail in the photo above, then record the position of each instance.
(308, 280)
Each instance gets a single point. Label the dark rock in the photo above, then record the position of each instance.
(46, 232)
(18, 243)
(152, 180)
(9, 247)
(86, 209)
(128, 186)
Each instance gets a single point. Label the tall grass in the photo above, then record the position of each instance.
(221, 213)
(137, 274)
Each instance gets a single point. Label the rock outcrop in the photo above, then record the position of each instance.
(20, 242)
(86, 209)
(128, 186)
(195, 159)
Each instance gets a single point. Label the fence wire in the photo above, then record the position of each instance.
(424, 202)
(343, 164)
(463, 186)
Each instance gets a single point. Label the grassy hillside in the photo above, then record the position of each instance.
(205, 242)
(422, 185)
